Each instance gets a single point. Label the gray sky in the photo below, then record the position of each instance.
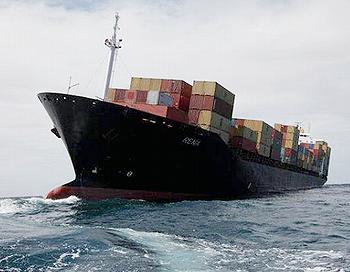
(286, 61)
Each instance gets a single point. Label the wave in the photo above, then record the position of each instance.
(12, 206)
(176, 253)
(69, 200)
(23, 205)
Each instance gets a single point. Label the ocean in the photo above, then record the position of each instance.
(300, 231)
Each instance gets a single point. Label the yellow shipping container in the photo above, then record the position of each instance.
(263, 150)
(244, 132)
(289, 136)
(292, 129)
(223, 134)
(155, 84)
(135, 83)
(143, 84)
(110, 95)
(212, 88)
(258, 125)
(215, 120)
(290, 144)
(255, 125)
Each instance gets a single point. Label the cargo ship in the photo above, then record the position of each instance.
(167, 140)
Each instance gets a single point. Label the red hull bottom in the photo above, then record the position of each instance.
(90, 193)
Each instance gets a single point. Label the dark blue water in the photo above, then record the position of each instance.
(303, 231)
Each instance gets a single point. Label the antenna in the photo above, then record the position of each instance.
(70, 86)
(114, 45)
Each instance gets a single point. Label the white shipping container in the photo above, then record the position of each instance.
(152, 97)
(165, 100)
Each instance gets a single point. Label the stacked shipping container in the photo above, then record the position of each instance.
(211, 107)
(179, 91)
(290, 139)
(242, 137)
(276, 147)
(263, 132)
(163, 97)
(321, 156)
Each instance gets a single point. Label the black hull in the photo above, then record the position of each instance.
(121, 152)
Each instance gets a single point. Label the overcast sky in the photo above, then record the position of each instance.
(286, 61)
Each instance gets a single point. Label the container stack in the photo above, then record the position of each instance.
(319, 156)
(163, 97)
(263, 132)
(326, 166)
(242, 137)
(290, 139)
(302, 157)
(178, 90)
(305, 156)
(321, 153)
(310, 159)
(211, 107)
(276, 146)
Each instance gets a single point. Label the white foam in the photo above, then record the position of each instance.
(119, 251)
(173, 252)
(20, 205)
(5, 259)
(176, 253)
(69, 200)
(10, 206)
(65, 258)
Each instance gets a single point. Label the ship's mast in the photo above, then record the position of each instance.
(114, 45)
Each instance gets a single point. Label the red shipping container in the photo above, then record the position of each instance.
(180, 102)
(184, 103)
(159, 110)
(243, 143)
(120, 94)
(315, 151)
(290, 155)
(130, 96)
(206, 102)
(187, 90)
(288, 152)
(275, 155)
(202, 102)
(177, 115)
(176, 86)
(196, 102)
(141, 96)
(193, 116)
